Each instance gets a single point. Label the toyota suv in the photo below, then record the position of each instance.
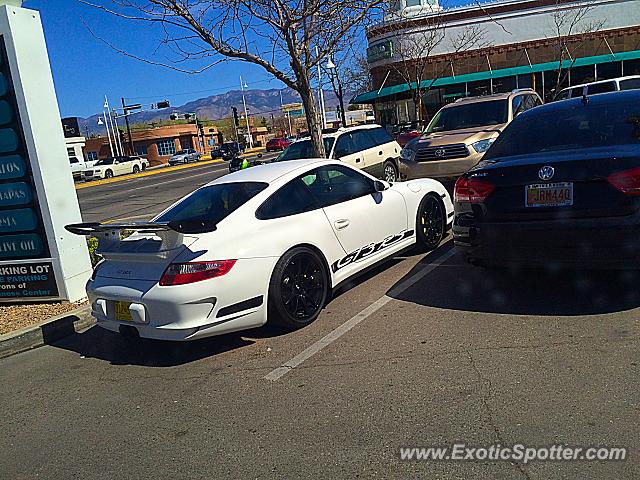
(367, 147)
(459, 134)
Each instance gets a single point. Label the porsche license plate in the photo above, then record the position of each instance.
(549, 195)
(122, 311)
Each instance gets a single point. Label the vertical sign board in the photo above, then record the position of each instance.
(39, 260)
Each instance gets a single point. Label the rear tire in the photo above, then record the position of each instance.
(390, 172)
(136, 169)
(298, 289)
(430, 223)
(108, 174)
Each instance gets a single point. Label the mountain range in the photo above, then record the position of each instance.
(215, 107)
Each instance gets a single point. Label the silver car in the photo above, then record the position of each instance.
(185, 156)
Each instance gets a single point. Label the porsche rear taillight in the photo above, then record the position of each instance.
(191, 272)
(627, 181)
(472, 190)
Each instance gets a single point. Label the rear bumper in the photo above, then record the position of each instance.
(583, 243)
(186, 312)
(437, 168)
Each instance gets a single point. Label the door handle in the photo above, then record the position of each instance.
(380, 152)
(340, 224)
(358, 160)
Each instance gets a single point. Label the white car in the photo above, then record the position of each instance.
(79, 165)
(112, 167)
(366, 147)
(267, 243)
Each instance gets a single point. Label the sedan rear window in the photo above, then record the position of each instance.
(212, 203)
(577, 127)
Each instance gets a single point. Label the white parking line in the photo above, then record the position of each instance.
(332, 336)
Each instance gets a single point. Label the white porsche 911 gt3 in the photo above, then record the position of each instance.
(267, 243)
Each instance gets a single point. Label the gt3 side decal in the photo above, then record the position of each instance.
(368, 250)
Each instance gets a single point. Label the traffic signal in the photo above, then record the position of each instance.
(164, 104)
(236, 119)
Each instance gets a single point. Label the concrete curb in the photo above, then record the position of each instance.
(46, 332)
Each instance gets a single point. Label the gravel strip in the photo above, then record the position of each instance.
(15, 317)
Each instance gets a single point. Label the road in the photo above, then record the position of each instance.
(142, 197)
(444, 352)
(423, 351)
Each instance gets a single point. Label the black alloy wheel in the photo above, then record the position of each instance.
(430, 224)
(299, 288)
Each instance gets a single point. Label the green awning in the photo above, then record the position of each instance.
(504, 72)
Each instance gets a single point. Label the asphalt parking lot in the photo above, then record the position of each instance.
(423, 351)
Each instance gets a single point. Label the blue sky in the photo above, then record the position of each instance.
(85, 69)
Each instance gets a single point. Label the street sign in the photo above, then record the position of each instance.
(39, 260)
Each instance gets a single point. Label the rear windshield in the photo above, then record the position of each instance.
(303, 149)
(572, 128)
(212, 203)
(478, 114)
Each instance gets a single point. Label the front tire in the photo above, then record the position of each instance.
(430, 223)
(390, 172)
(298, 289)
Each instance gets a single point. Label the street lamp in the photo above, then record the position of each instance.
(333, 71)
(246, 116)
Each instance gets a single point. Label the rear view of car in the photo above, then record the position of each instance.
(277, 144)
(560, 186)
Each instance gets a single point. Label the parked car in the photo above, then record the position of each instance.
(461, 132)
(200, 268)
(276, 144)
(604, 86)
(185, 156)
(567, 194)
(230, 149)
(112, 167)
(405, 137)
(216, 152)
(367, 147)
(79, 165)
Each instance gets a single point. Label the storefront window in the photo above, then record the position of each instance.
(141, 148)
(166, 147)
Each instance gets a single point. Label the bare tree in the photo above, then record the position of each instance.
(281, 36)
(415, 52)
(570, 27)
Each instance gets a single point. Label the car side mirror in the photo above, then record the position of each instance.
(380, 186)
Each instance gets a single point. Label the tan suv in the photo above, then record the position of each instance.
(459, 134)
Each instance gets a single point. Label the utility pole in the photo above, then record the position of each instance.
(106, 125)
(126, 119)
(246, 116)
(113, 129)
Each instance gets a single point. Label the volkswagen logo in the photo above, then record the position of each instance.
(439, 152)
(546, 173)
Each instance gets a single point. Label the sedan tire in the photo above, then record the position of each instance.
(298, 289)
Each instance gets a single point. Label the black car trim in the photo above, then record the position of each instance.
(240, 306)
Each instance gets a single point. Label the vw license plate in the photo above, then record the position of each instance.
(122, 311)
(549, 195)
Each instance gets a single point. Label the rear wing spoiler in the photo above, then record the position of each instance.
(109, 235)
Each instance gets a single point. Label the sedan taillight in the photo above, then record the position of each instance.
(627, 181)
(472, 190)
(190, 272)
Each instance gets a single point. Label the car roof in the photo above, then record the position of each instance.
(617, 79)
(493, 96)
(621, 97)
(269, 172)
